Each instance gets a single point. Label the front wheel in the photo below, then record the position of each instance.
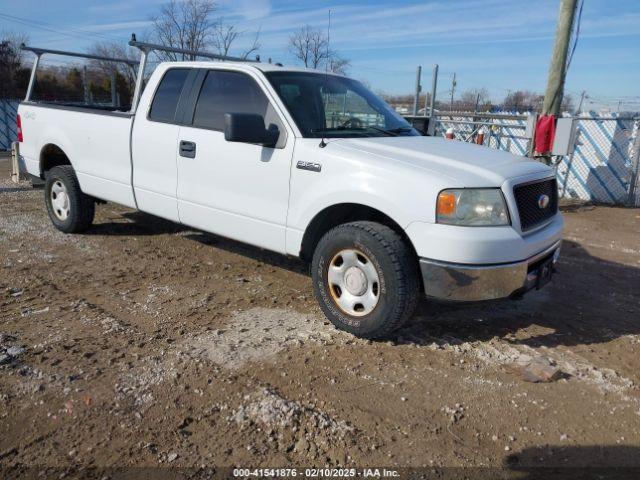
(70, 210)
(365, 278)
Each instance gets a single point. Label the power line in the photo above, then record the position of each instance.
(68, 31)
(577, 36)
(56, 29)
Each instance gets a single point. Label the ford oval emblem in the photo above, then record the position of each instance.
(543, 201)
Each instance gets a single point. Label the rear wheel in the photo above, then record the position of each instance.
(365, 278)
(70, 210)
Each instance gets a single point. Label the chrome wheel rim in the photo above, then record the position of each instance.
(60, 200)
(354, 282)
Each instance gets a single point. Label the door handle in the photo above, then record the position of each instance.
(187, 149)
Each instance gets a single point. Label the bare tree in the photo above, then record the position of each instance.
(311, 47)
(118, 77)
(186, 24)
(469, 97)
(225, 35)
(254, 47)
(12, 71)
(523, 100)
(15, 40)
(339, 65)
(305, 45)
(115, 50)
(192, 25)
(568, 104)
(472, 99)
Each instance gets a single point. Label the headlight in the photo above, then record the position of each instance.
(472, 207)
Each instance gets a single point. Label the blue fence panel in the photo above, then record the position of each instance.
(8, 112)
(601, 167)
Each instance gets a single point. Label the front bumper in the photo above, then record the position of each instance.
(468, 283)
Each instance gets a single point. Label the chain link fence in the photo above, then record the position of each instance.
(503, 132)
(603, 167)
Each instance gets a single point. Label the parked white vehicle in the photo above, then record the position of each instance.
(311, 165)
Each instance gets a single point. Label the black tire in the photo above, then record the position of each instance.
(81, 207)
(397, 271)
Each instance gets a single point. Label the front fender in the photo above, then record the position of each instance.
(392, 189)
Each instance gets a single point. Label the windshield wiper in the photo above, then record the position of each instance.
(399, 130)
(382, 130)
(357, 129)
(330, 129)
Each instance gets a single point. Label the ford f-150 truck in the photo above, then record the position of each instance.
(312, 165)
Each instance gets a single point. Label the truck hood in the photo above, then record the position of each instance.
(465, 164)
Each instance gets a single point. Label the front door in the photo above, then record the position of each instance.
(237, 190)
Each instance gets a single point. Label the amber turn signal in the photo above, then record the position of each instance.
(446, 203)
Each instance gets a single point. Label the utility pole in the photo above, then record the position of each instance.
(558, 68)
(431, 127)
(453, 89)
(583, 95)
(418, 89)
(434, 86)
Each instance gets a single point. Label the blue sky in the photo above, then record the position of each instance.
(498, 44)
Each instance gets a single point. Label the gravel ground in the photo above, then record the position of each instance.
(145, 344)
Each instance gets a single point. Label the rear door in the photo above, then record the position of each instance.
(154, 140)
(237, 190)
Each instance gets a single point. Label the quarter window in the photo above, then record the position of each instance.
(165, 103)
(227, 92)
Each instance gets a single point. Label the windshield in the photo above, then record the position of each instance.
(331, 106)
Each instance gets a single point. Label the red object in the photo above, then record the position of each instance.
(480, 138)
(545, 133)
(19, 128)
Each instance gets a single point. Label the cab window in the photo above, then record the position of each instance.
(230, 92)
(165, 101)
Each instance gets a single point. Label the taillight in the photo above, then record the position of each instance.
(19, 128)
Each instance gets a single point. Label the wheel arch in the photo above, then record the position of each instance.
(340, 213)
(51, 155)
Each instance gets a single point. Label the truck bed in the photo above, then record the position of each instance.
(97, 139)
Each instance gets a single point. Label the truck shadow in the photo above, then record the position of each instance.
(575, 462)
(257, 254)
(136, 223)
(590, 300)
(139, 223)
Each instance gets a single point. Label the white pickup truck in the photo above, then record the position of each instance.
(311, 165)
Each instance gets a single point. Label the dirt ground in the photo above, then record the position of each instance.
(146, 344)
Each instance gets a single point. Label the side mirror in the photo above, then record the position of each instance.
(249, 128)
